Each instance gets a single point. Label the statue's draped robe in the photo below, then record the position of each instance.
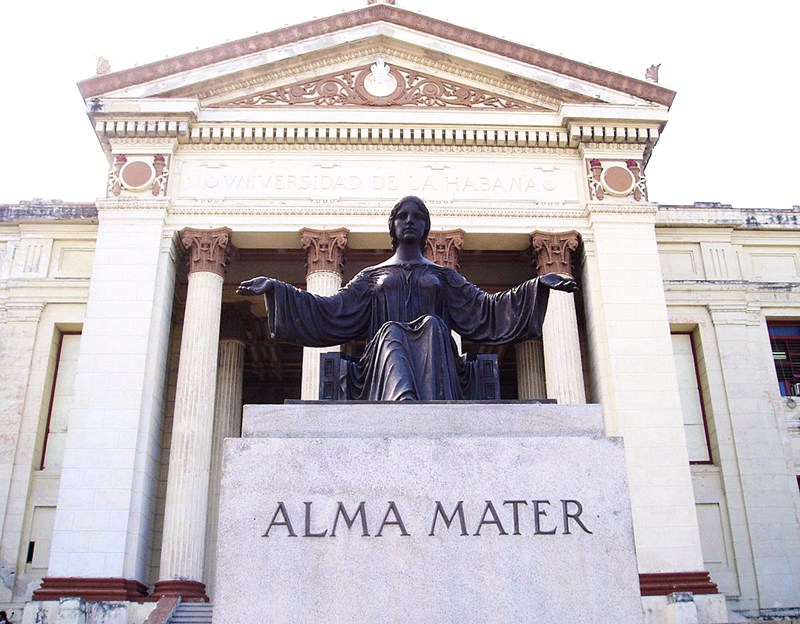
(406, 313)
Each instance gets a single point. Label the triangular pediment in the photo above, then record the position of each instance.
(353, 59)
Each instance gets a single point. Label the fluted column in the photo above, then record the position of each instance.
(325, 257)
(553, 253)
(530, 370)
(186, 508)
(227, 416)
(444, 248)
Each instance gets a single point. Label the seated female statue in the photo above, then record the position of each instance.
(406, 308)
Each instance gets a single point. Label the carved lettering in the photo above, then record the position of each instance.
(349, 522)
(537, 514)
(459, 510)
(515, 511)
(308, 532)
(398, 521)
(285, 522)
(489, 509)
(572, 516)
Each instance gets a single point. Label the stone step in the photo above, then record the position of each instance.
(192, 613)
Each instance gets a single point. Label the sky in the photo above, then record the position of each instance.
(731, 135)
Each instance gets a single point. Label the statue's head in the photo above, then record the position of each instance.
(412, 199)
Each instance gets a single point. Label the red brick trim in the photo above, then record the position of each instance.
(99, 85)
(664, 583)
(189, 591)
(165, 607)
(90, 589)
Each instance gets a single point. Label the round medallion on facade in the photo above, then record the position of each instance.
(136, 175)
(617, 180)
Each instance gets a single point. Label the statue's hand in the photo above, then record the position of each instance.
(560, 281)
(256, 286)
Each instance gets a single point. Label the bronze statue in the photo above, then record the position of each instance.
(406, 307)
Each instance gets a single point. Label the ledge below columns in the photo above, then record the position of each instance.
(665, 583)
(189, 591)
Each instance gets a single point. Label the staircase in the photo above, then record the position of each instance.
(192, 613)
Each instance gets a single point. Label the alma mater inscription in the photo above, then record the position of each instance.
(519, 516)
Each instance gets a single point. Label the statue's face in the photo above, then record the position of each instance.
(409, 223)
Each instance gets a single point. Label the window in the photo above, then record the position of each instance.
(60, 401)
(694, 417)
(784, 337)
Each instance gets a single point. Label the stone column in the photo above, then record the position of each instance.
(185, 512)
(325, 257)
(444, 248)
(553, 253)
(530, 370)
(227, 415)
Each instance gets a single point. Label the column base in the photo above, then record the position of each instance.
(189, 591)
(90, 589)
(665, 583)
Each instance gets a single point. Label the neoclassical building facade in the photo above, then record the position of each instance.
(127, 355)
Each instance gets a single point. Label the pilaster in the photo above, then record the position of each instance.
(326, 252)
(758, 436)
(635, 372)
(106, 488)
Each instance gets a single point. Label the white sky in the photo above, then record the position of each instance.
(731, 135)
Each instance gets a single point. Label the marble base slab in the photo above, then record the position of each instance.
(425, 513)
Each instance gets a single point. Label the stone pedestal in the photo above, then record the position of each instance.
(429, 512)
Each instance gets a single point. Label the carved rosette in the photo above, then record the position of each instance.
(554, 251)
(138, 174)
(616, 178)
(444, 248)
(208, 250)
(380, 84)
(326, 250)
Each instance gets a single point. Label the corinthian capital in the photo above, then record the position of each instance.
(553, 251)
(325, 249)
(208, 250)
(444, 248)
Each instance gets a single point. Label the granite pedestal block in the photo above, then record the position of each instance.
(428, 512)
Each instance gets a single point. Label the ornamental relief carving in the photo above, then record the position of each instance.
(138, 175)
(553, 251)
(325, 249)
(380, 84)
(542, 95)
(617, 179)
(444, 248)
(207, 250)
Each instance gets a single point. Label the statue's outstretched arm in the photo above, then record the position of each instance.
(256, 286)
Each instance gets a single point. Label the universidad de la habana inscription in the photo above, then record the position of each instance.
(269, 178)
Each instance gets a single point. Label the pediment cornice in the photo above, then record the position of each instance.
(378, 13)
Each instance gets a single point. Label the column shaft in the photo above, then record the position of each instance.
(319, 283)
(186, 507)
(227, 424)
(530, 370)
(562, 350)
(183, 546)
(553, 253)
